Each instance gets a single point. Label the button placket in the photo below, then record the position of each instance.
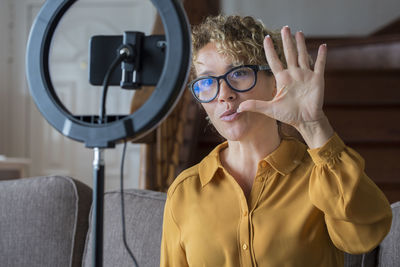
(244, 239)
(266, 175)
(243, 231)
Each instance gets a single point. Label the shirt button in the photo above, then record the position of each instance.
(327, 153)
(244, 247)
(263, 164)
(245, 213)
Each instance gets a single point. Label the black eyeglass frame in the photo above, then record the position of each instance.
(255, 69)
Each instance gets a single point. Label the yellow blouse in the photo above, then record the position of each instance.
(304, 209)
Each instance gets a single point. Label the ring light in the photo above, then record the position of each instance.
(83, 129)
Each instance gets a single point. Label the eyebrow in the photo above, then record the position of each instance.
(205, 73)
(210, 73)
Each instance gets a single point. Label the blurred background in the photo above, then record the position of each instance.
(362, 98)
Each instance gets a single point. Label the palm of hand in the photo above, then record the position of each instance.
(299, 98)
(300, 90)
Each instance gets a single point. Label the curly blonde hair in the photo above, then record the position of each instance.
(239, 38)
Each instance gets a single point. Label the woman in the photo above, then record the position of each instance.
(260, 198)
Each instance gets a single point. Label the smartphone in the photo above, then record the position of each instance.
(103, 49)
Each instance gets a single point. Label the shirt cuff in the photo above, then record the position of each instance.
(328, 151)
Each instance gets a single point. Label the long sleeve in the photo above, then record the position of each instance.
(172, 253)
(357, 214)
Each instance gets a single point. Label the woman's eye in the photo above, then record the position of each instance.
(240, 73)
(206, 82)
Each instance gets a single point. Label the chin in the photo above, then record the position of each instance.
(233, 131)
(233, 134)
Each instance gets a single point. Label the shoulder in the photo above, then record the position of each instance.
(189, 175)
(192, 180)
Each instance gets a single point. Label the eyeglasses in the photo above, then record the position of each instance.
(240, 79)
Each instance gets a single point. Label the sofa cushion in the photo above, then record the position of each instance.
(389, 249)
(143, 219)
(43, 221)
(387, 254)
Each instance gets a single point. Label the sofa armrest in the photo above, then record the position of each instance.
(43, 221)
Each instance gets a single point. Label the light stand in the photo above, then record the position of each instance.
(98, 206)
(85, 128)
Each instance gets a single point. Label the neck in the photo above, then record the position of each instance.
(241, 157)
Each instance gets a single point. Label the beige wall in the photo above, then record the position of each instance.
(4, 70)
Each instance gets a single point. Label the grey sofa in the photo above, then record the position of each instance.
(44, 222)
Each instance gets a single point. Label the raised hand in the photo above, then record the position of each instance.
(300, 89)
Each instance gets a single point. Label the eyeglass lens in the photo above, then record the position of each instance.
(240, 79)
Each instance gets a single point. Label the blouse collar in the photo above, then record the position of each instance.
(284, 159)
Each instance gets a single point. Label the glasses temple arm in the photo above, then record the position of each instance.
(263, 67)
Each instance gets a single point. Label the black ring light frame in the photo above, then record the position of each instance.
(169, 88)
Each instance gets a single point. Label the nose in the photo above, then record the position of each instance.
(226, 94)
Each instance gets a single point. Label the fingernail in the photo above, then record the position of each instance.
(238, 110)
(268, 36)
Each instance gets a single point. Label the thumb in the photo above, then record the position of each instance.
(259, 106)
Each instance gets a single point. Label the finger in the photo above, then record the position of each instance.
(321, 59)
(259, 106)
(302, 50)
(288, 47)
(272, 58)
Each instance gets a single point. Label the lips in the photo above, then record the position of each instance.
(229, 115)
